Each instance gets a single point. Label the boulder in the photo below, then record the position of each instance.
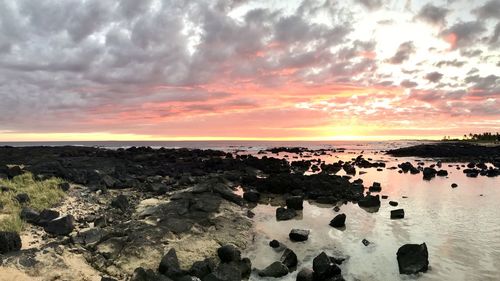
(442, 173)
(229, 253)
(283, 214)
(22, 198)
(251, 196)
(120, 202)
(429, 173)
(413, 258)
(276, 269)
(324, 268)
(46, 215)
(141, 274)
(225, 272)
(369, 201)
(60, 226)
(365, 242)
(295, 202)
(397, 214)
(29, 215)
(169, 265)
(299, 235)
(338, 221)
(376, 187)
(305, 274)
(289, 259)
(201, 269)
(245, 267)
(393, 203)
(9, 242)
(89, 236)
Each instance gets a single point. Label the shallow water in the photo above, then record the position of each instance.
(460, 226)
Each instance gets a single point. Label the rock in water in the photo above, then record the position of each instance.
(397, 214)
(338, 221)
(229, 253)
(369, 201)
(305, 274)
(413, 258)
(324, 268)
(454, 185)
(283, 214)
(169, 265)
(274, 244)
(60, 226)
(393, 203)
(276, 269)
(299, 235)
(295, 202)
(289, 259)
(9, 242)
(376, 187)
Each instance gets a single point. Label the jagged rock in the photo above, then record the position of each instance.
(9, 242)
(60, 226)
(324, 268)
(413, 258)
(169, 265)
(338, 221)
(429, 173)
(245, 267)
(369, 201)
(299, 235)
(283, 214)
(289, 259)
(229, 253)
(295, 202)
(276, 269)
(89, 236)
(365, 242)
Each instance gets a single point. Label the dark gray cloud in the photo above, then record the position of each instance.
(434, 76)
(464, 34)
(490, 9)
(403, 53)
(455, 63)
(433, 14)
(496, 33)
(408, 84)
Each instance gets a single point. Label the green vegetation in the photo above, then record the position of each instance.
(484, 137)
(43, 194)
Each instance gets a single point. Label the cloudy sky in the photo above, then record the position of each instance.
(237, 69)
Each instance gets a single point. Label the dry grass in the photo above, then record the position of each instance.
(43, 194)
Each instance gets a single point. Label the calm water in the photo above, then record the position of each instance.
(461, 226)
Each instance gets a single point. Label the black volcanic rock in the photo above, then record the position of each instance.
(9, 242)
(276, 269)
(60, 226)
(283, 214)
(369, 201)
(338, 221)
(299, 235)
(413, 258)
(229, 253)
(397, 214)
(295, 202)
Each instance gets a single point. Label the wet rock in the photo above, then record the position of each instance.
(397, 214)
(276, 270)
(336, 208)
(169, 265)
(305, 274)
(442, 173)
(454, 185)
(289, 259)
(229, 253)
(251, 196)
(60, 226)
(274, 244)
(365, 242)
(413, 258)
(9, 242)
(283, 214)
(393, 203)
(201, 269)
(369, 201)
(385, 196)
(120, 202)
(299, 235)
(295, 202)
(225, 272)
(141, 274)
(324, 268)
(349, 169)
(22, 198)
(64, 186)
(429, 173)
(338, 221)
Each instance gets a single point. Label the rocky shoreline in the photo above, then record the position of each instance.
(128, 211)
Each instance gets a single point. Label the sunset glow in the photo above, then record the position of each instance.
(248, 70)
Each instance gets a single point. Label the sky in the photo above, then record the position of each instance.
(238, 69)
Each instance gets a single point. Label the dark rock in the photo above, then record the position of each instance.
(289, 259)
(9, 242)
(336, 208)
(299, 235)
(201, 269)
(442, 173)
(283, 214)
(338, 221)
(229, 253)
(120, 202)
(47, 215)
(225, 272)
(274, 244)
(429, 173)
(22, 198)
(250, 214)
(90, 236)
(108, 279)
(14, 171)
(376, 187)
(252, 196)
(276, 269)
(369, 201)
(169, 265)
(141, 274)
(29, 215)
(413, 258)
(365, 242)
(245, 267)
(454, 185)
(393, 203)
(295, 202)
(64, 186)
(324, 268)
(385, 196)
(305, 274)
(60, 226)
(397, 214)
